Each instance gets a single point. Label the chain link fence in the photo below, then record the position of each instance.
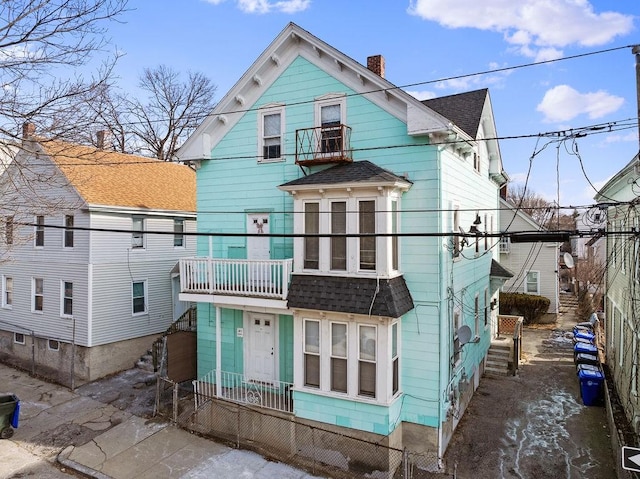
(324, 451)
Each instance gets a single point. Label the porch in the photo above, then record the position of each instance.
(236, 277)
(235, 387)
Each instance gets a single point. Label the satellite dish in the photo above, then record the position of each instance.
(464, 334)
(568, 260)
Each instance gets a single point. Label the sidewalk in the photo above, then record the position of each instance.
(104, 441)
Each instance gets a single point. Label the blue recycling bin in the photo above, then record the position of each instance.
(585, 335)
(591, 385)
(587, 348)
(586, 367)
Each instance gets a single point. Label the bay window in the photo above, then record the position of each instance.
(359, 360)
(338, 244)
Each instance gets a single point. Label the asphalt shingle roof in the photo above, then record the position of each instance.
(355, 172)
(463, 109)
(110, 178)
(385, 297)
(499, 271)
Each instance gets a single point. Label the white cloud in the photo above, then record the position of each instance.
(422, 94)
(633, 136)
(267, 6)
(563, 103)
(538, 28)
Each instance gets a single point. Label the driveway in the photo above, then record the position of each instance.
(534, 425)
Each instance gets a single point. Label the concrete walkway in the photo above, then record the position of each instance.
(102, 441)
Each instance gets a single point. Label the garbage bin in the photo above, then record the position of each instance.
(577, 340)
(584, 358)
(591, 383)
(9, 413)
(584, 348)
(586, 367)
(584, 335)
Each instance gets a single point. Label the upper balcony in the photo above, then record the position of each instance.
(323, 144)
(236, 277)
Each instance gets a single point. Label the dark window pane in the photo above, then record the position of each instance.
(367, 225)
(367, 379)
(311, 226)
(339, 375)
(312, 370)
(339, 226)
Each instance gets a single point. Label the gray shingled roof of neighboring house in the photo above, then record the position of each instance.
(463, 109)
(378, 297)
(499, 271)
(355, 172)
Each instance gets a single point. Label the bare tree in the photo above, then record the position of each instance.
(40, 41)
(531, 203)
(172, 110)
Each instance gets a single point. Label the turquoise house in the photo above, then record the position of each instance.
(343, 273)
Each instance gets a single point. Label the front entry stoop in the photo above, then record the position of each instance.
(498, 358)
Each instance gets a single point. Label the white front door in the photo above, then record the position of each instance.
(258, 246)
(260, 353)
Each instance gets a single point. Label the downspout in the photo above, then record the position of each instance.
(440, 290)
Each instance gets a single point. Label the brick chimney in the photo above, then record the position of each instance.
(375, 63)
(28, 130)
(100, 137)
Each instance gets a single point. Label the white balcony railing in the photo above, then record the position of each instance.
(236, 388)
(238, 277)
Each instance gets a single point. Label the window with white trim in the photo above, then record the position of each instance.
(532, 282)
(476, 315)
(270, 127)
(395, 359)
(338, 243)
(456, 232)
(367, 348)
(395, 229)
(7, 292)
(66, 299)
(37, 293)
(139, 297)
(18, 338)
(339, 342)
(39, 232)
(312, 353)
(137, 232)
(330, 115)
(53, 345)
(311, 244)
(178, 233)
(68, 232)
(487, 311)
(505, 244)
(367, 225)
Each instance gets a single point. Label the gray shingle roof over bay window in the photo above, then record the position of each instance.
(463, 109)
(355, 172)
(378, 297)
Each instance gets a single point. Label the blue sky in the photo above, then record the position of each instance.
(425, 41)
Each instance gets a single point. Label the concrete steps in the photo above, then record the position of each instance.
(568, 303)
(498, 358)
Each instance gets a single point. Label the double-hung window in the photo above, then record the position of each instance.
(39, 232)
(339, 357)
(312, 244)
(37, 288)
(532, 282)
(456, 323)
(330, 118)
(395, 361)
(137, 232)
(66, 301)
(271, 126)
(178, 233)
(367, 225)
(367, 339)
(338, 243)
(312, 353)
(7, 292)
(68, 231)
(139, 297)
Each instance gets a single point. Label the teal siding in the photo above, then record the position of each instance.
(436, 282)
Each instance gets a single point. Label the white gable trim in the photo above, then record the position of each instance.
(292, 42)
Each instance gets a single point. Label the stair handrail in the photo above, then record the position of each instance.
(517, 344)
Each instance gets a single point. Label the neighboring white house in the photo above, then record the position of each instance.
(534, 265)
(621, 194)
(71, 286)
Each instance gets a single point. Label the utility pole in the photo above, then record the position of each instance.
(636, 51)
